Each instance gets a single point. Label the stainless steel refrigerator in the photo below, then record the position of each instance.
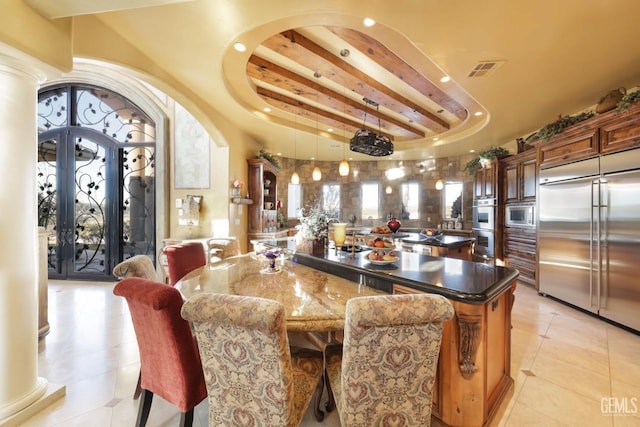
(589, 235)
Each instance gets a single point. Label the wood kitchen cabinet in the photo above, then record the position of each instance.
(262, 187)
(484, 182)
(520, 248)
(520, 177)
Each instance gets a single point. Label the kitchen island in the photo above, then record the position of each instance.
(474, 367)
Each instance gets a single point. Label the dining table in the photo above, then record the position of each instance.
(314, 301)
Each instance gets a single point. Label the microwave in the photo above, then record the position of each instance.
(520, 216)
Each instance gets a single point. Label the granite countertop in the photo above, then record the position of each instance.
(459, 280)
(442, 240)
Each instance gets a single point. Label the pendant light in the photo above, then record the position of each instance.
(295, 178)
(439, 184)
(343, 169)
(317, 174)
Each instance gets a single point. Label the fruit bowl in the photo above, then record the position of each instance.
(382, 256)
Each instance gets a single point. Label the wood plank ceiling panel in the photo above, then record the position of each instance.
(399, 116)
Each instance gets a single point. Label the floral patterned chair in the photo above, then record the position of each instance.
(384, 372)
(136, 266)
(220, 248)
(252, 376)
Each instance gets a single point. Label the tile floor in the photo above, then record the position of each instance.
(565, 365)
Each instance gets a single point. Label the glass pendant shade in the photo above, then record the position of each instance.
(343, 169)
(317, 174)
(295, 178)
(439, 184)
(388, 190)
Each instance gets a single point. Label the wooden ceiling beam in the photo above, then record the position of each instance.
(275, 75)
(378, 53)
(308, 54)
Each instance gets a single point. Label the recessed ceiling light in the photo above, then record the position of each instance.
(368, 22)
(477, 113)
(239, 47)
(435, 139)
(472, 151)
(266, 109)
(330, 130)
(445, 79)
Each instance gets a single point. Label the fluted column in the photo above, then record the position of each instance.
(20, 385)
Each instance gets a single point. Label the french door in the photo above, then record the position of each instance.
(96, 194)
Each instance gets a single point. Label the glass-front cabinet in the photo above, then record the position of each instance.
(263, 213)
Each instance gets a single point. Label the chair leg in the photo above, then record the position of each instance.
(144, 408)
(136, 393)
(317, 398)
(186, 418)
(331, 402)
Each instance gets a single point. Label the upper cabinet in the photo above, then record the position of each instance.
(520, 177)
(485, 182)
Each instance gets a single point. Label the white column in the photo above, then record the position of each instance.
(20, 385)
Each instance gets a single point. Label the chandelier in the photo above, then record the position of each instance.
(368, 142)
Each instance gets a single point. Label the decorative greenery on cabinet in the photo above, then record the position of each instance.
(486, 156)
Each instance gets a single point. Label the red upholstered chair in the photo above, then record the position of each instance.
(183, 258)
(169, 360)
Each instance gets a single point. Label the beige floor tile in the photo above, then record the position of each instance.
(584, 381)
(561, 404)
(525, 416)
(558, 349)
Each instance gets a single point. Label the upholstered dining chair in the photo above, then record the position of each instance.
(183, 258)
(220, 248)
(169, 360)
(136, 266)
(384, 372)
(253, 377)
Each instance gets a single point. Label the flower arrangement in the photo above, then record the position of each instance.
(238, 184)
(314, 223)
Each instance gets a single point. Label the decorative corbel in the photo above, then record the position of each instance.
(468, 338)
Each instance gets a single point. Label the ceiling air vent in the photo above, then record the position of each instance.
(485, 68)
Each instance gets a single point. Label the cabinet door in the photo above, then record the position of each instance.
(511, 175)
(478, 184)
(529, 180)
(489, 182)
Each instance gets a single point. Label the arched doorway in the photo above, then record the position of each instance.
(96, 180)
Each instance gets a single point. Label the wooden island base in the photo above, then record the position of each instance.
(474, 371)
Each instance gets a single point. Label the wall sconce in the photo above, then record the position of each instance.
(388, 190)
(439, 184)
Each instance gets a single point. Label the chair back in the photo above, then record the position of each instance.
(390, 357)
(136, 266)
(169, 360)
(183, 258)
(220, 248)
(245, 357)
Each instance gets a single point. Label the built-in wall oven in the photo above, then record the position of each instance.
(484, 216)
(484, 247)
